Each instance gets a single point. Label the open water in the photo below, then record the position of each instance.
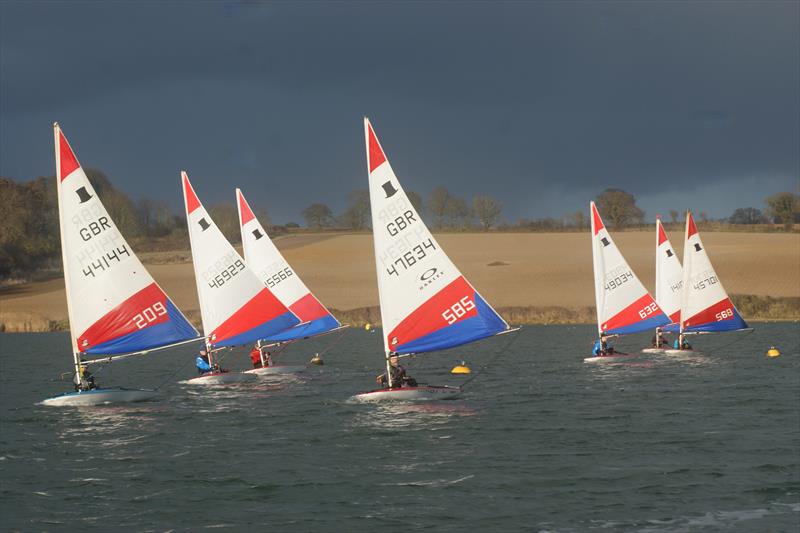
(540, 441)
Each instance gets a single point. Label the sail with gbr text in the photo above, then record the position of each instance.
(705, 306)
(114, 305)
(669, 275)
(426, 303)
(236, 307)
(263, 257)
(623, 304)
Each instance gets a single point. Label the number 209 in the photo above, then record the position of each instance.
(458, 309)
(149, 315)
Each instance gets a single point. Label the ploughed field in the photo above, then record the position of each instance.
(536, 270)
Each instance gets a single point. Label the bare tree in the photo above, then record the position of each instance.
(318, 216)
(437, 205)
(784, 208)
(673, 215)
(487, 210)
(357, 214)
(416, 201)
(458, 213)
(227, 219)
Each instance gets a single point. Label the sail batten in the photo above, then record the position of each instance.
(426, 303)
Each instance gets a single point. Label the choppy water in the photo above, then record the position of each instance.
(539, 442)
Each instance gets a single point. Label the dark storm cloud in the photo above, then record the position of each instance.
(543, 105)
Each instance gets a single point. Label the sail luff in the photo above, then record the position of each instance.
(381, 298)
(70, 317)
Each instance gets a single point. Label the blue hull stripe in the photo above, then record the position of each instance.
(276, 325)
(176, 329)
(486, 324)
(315, 327)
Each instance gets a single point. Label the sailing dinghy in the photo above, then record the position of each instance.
(669, 281)
(623, 304)
(263, 257)
(705, 306)
(115, 308)
(426, 303)
(236, 308)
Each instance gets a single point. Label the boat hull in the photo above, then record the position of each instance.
(220, 378)
(276, 370)
(100, 397)
(673, 351)
(423, 392)
(659, 351)
(617, 358)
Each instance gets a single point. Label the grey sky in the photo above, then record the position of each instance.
(541, 104)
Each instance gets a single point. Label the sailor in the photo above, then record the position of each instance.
(84, 380)
(255, 356)
(602, 347)
(268, 359)
(202, 363)
(658, 340)
(678, 346)
(398, 374)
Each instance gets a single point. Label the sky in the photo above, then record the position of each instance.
(543, 105)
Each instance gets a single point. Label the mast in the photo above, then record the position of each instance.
(597, 264)
(76, 354)
(659, 297)
(687, 273)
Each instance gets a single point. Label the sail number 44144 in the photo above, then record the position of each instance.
(458, 309)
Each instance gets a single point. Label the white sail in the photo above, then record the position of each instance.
(426, 303)
(669, 275)
(235, 305)
(623, 304)
(705, 306)
(114, 305)
(261, 255)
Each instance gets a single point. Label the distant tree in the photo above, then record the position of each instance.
(784, 208)
(226, 217)
(578, 219)
(703, 217)
(673, 215)
(619, 207)
(747, 215)
(416, 201)
(292, 225)
(317, 216)
(357, 214)
(120, 207)
(437, 205)
(487, 210)
(458, 213)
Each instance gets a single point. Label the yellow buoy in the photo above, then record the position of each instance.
(316, 360)
(461, 369)
(367, 326)
(773, 352)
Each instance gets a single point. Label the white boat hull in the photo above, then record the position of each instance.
(423, 392)
(221, 378)
(659, 351)
(100, 397)
(276, 369)
(618, 358)
(673, 351)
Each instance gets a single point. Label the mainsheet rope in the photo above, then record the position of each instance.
(494, 358)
